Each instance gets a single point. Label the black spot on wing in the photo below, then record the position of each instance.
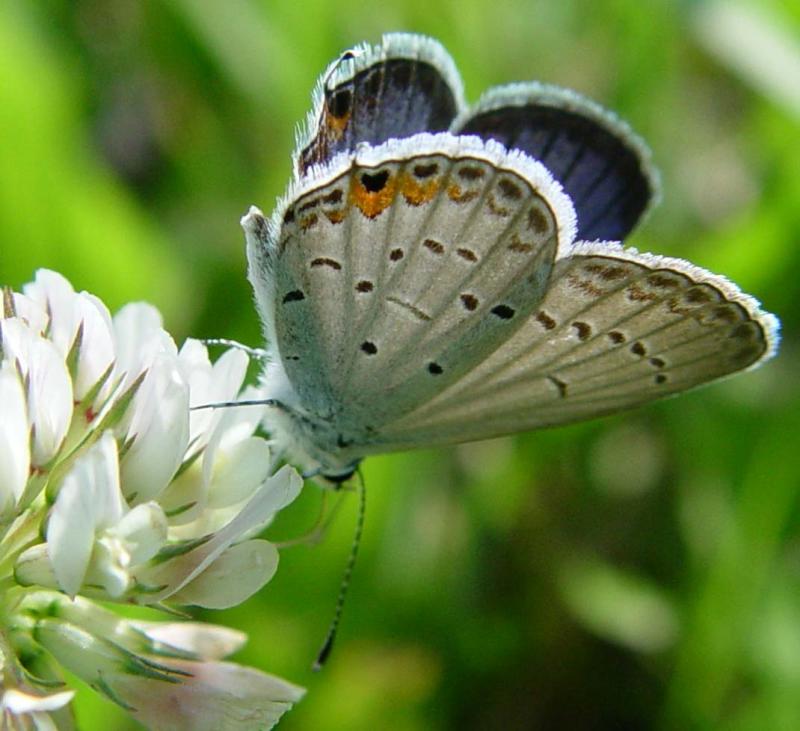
(364, 286)
(504, 312)
(324, 261)
(293, 296)
(375, 182)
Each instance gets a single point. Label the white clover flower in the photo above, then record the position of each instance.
(112, 489)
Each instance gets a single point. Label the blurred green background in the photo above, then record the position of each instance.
(638, 572)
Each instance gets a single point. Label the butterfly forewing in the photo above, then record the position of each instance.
(404, 271)
(615, 330)
(406, 85)
(602, 164)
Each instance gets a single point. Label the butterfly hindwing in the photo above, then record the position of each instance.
(616, 329)
(602, 164)
(405, 85)
(401, 268)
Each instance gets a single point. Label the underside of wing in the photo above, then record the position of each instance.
(405, 85)
(398, 269)
(615, 330)
(602, 164)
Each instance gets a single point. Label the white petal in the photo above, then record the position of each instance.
(32, 313)
(109, 567)
(218, 382)
(70, 535)
(242, 421)
(138, 339)
(185, 498)
(102, 468)
(54, 292)
(238, 472)
(49, 400)
(33, 567)
(45, 722)
(229, 371)
(15, 455)
(82, 651)
(143, 531)
(18, 702)
(89, 498)
(208, 641)
(160, 429)
(97, 344)
(234, 577)
(17, 340)
(175, 573)
(234, 425)
(214, 696)
(210, 384)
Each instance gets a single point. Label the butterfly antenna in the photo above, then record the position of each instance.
(327, 646)
(254, 353)
(246, 402)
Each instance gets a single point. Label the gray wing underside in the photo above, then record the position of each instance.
(394, 280)
(616, 329)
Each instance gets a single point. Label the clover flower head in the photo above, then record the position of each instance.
(113, 489)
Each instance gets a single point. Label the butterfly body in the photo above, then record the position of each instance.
(423, 287)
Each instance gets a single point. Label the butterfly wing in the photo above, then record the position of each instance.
(405, 85)
(398, 269)
(616, 329)
(602, 164)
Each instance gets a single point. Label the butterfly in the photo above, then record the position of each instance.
(438, 273)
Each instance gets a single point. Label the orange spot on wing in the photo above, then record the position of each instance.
(335, 126)
(309, 221)
(336, 216)
(416, 192)
(372, 204)
(456, 194)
